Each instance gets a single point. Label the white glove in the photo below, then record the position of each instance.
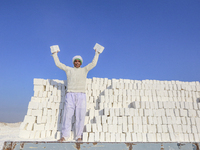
(54, 48)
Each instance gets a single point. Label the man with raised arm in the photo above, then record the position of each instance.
(75, 99)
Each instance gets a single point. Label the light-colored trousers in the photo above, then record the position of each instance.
(74, 102)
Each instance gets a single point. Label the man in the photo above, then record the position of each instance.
(75, 99)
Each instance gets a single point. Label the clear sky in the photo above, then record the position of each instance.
(143, 39)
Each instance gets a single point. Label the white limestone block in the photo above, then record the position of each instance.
(111, 112)
(194, 129)
(105, 127)
(23, 125)
(173, 137)
(85, 136)
(136, 104)
(24, 134)
(96, 137)
(192, 120)
(91, 137)
(38, 127)
(151, 128)
(164, 120)
(109, 120)
(159, 120)
(32, 135)
(88, 127)
(159, 128)
(196, 137)
(119, 128)
(37, 134)
(178, 120)
(183, 120)
(58, 135)
(134, 137)
(130, 128)
(144, 120)
(94, 127)
(124, 127)
(119, 120)
(186, 137)
(130, 121)
(146, 112)
(176, 112)
(37, 81)
(189, 130)
(165, 137)
(136, 113)
(29, 119)
(164, 129)
(198, 113)
(29, 112)
(139, 137)
(114, 120)
(102, 137)
(112, 137)
(117, 137)
(135, 128)
(183, 113)
(108, 137)
(29, 127)
(140, 128)
(54, 48)
(106, 111)
(33, 105)
(116, 112)
(140, 112)
(184, 128)
(110, 128)
(169, 120)
(191, 137)
(126, 112)
(191, 113)
(195, 105)
(150, 120)
(104, 119)
(144, 128)
(98, 119)
(151, 137)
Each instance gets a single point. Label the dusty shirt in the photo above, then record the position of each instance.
(76, 77)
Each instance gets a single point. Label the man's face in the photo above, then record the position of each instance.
(77, 63)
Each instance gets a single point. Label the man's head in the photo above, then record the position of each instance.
(77, 61)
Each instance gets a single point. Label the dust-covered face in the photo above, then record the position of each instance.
(77, 63)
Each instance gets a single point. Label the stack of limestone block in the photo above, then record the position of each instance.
(119, 110)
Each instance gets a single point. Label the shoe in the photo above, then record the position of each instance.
(79, 140)
(62, 140)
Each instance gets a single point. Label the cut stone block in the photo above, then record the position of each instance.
(24, 134)
(105, 128)
(112, 137)
(91, 137)
(117, 137)
(96, 136)
(108, 137)
(29, 119)
(85, 136)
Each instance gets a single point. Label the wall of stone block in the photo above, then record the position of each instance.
(119, 110)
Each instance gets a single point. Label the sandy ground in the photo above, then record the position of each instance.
(9, 132)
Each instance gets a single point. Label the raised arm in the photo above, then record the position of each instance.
(58, 63)
(93, 63)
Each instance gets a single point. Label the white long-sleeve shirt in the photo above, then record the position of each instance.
(76, 77)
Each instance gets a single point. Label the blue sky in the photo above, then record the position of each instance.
(143, 39)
